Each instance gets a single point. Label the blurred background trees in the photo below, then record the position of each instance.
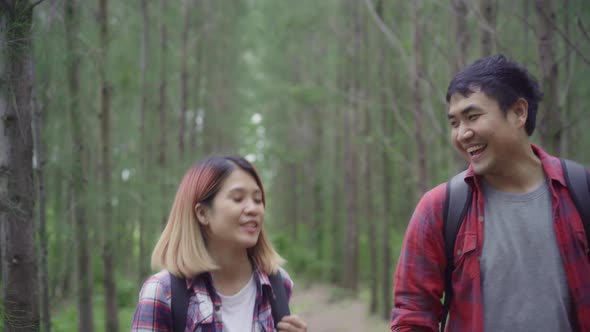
(339, 103)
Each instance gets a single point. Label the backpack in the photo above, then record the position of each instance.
(180, 296)
(459, 200)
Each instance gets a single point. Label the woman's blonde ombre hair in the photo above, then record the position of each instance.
(181, 248)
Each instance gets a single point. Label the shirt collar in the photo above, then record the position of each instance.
(551, 167)
(204, 280)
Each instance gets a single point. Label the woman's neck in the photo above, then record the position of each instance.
(235, 270)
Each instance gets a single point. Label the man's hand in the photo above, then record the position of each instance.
(291, 323)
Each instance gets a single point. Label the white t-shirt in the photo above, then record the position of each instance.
(237, 311)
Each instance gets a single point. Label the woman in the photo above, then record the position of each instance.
(215, 241)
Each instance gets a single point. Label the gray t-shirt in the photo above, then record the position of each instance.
(523, 280)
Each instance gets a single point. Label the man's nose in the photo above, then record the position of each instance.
(464, 133)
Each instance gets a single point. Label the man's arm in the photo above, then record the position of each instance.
(419, 276)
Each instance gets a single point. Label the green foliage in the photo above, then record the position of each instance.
(65, 316)
(324, 100)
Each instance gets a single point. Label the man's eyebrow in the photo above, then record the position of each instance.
(465, 111)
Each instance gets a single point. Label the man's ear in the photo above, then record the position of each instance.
(521, 110)
(201, 213)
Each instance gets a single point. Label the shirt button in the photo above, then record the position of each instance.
(458, 251)
(217, 307)
(480, 218)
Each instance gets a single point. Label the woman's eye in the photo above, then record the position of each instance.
(237, 199)
(257, 200)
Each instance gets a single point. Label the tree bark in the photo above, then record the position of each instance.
(38, 167)
(20, 291)
(550, 124)
(461, 33)
(144, 153)
(163, 100)
(183, 78)
(163, 79)
(387, 187)
(111, 317)
(417, 99)
(488, 27)
(78, 185)
(351, 156)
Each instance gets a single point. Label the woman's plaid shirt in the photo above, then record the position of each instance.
(153, 312)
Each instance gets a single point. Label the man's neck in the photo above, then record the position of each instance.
(523, 173)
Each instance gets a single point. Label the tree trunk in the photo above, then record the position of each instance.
(351, 156)
(20, 291)
(461, 33)
(387, 187)
(488, 27)
(111, 317)
(143, 153)
(197, 95)
(550, 125)
(39, 166)
(183, 77)
(163, 96)
(567, 93)
(78, 186)
(163, 78)
(417, 99)
(367, 173)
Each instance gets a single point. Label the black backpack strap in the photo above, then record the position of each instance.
(179, 302)
(278, 304)
(456, 206)
(578, 182)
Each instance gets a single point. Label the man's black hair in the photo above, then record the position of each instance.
(502, 79)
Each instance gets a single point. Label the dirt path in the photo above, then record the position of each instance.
(322, 314)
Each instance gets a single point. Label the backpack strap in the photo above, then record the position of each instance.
(180, 297)
(279, 304)
(578, 183)
(179, 302)
(456, 206)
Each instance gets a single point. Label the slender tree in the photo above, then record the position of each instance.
(417, 98)
(39, 168)
(488, 26)
(550, 124)
(351, 246)
(78, 180)
(20, 290)
(144, 153)
(387, 183)
(184, 75)
(111, 317)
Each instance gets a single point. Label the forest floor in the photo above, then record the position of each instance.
(323, 312)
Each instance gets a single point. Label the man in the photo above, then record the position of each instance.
(521, 261)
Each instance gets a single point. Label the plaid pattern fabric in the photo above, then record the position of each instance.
(153, 312)
(419, 277)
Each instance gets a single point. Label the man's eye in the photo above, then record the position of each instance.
(473, 117)
(454, 124)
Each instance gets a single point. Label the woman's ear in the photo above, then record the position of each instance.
(201, 213)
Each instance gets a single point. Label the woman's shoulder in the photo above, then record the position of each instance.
(157, 287)
(287, 281)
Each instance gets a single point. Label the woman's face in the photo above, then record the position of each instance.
(236, 215)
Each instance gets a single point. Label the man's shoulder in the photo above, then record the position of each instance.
(437, 194)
